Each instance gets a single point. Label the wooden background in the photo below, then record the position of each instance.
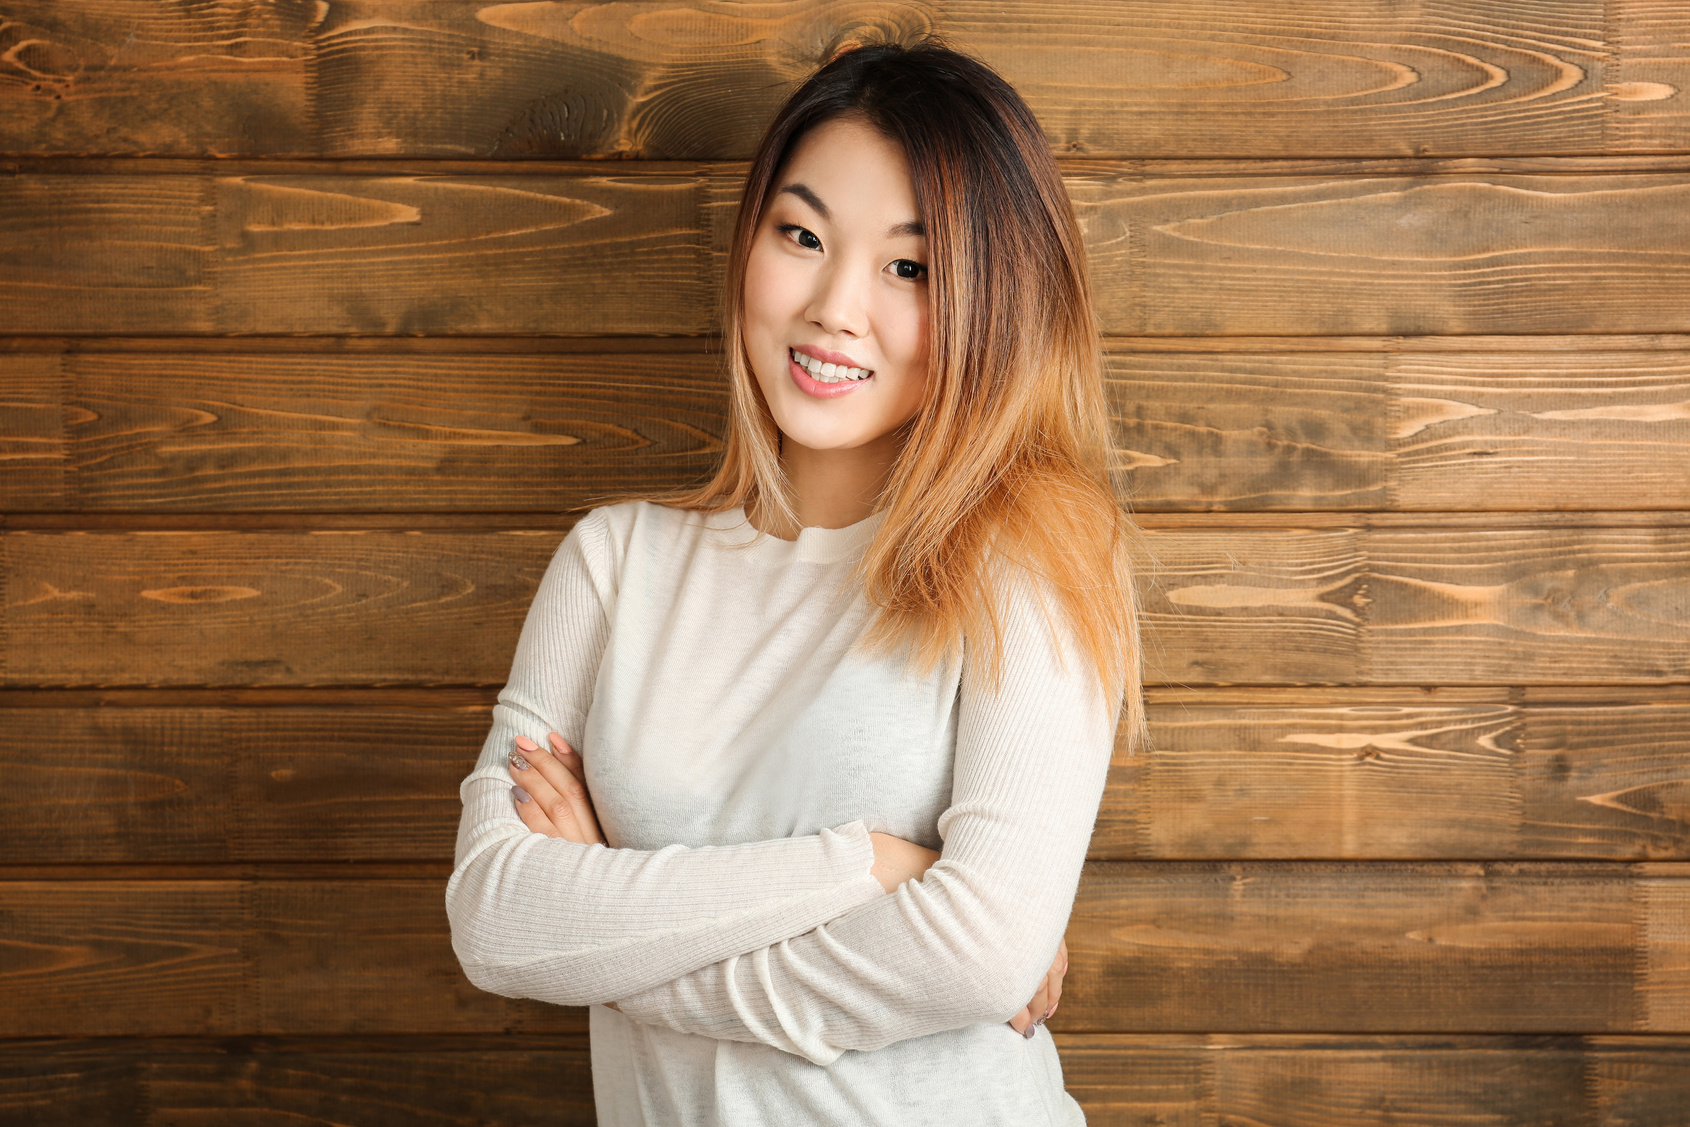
(314, 316)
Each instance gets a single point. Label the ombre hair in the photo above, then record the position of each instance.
(1010, 452)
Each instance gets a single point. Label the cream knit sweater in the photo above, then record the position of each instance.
(739, 748)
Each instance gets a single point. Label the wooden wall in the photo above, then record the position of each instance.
(314, 316)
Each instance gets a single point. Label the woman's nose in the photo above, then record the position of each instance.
(838, 303)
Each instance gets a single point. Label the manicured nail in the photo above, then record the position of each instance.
(521, 795)
(519, 763)
(527, 744)
(1031, 1029)
(559, 746)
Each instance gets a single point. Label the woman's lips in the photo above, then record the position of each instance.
(818, 389)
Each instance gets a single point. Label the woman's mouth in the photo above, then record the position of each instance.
(822, 380)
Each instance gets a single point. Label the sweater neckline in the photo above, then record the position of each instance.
(815, 544)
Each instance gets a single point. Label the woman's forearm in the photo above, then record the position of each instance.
(573, 924)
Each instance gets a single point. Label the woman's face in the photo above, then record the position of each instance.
(835, 313)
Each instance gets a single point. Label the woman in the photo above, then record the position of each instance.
(845, 712)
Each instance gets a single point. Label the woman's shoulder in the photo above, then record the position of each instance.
(624, 519)
(608, 533)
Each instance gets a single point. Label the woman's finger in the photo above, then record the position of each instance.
(531, 814)
(557, 774)
(556, 805)
(552, 805)
(578, 794)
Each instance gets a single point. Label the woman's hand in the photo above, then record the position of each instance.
(1044, 1001)
(551, 792)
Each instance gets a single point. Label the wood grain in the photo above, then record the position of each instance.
(1154, 947)
(1314, 1081)
(442, 1081)
(1400, 430)
(587, 253)
(1373, 947)
(1403, 430)
(1299, 777)
(1383, 606)
(1405, 254)
(239, 432)
(335, 254)
(126, 958)
(672, 80)
(1139, 1079)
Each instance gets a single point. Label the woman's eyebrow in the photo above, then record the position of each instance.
(802, 191)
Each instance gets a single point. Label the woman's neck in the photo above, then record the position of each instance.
(830, 488)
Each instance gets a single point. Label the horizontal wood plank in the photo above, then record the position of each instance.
(1374, 947)
(1313, 1081)
(1154, 947)
(105, 959)
(239, 433)
(524, 1079)
(1120, 1079)
(589, 253)
(1403, 430)
(1335, 606)
(1196, 79)
(102, 786)
(196, 253)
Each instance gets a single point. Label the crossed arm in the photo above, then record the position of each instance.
(795, 943)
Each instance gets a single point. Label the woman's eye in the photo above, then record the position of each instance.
(909, 271)
(806, 238)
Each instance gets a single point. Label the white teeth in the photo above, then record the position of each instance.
(828, 373)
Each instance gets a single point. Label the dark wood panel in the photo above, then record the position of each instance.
(585, 253)
(1169, 946)
(1303, 777)
(527, 1079)
(243, 432)
(1264, 431)
(1377, 947)
(216, 785)
(1404, 430)
(1120, 1079)
(1480, 254)
(1314, 1081)
(1385, 606)
(1383, 779)
(122, 958)
(1418, 606)
(1201, 79)
(204, 252)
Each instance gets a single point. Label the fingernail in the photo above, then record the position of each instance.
(1031, 1029)
(527, 744)
(1047, 1014)
(521, 795)
(559, 746)
(519, 763)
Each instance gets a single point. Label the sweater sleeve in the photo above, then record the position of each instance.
(539, 917)
(971, 940)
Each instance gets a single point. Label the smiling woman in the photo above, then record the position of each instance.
(807, 759)
(835, 318)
